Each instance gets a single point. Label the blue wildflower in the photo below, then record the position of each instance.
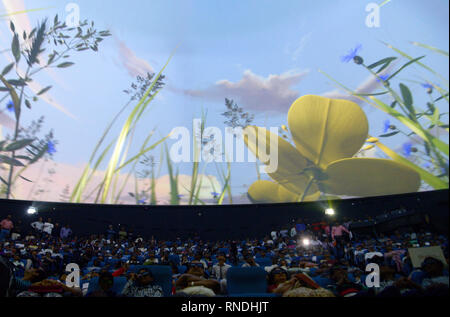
(351, 54)
(141, 201)
(387, 125)
(51, 147)
(10, 106)
(383, 78)
(427, 85)
(407, 149)
(180, 196)
(214, 194)
(426, 165)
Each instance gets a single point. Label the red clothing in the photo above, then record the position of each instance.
(6, 224)
(119, 272)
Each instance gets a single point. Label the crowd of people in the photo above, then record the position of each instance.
(305, 258)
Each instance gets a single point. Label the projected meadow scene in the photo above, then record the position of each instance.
(96, 99)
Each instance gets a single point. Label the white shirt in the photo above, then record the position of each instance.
(37, 225)
(274, 235)
(293, 232)
(370, 255)
(217, 268)
(48, 227)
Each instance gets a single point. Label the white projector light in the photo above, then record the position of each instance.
(31, 210)
(305, 242)
(329, 211)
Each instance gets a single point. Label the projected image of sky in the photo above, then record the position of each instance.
(357, 92)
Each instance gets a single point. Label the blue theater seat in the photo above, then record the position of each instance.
(162, 274)
(248, 280)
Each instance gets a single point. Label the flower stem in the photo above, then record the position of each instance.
(308, 187)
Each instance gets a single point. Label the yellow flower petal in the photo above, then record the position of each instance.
(291, 163)
(369, 177)
(325, 130)
(370, 146)
(373, 140)
(263, 191)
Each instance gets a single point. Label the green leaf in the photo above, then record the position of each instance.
(25, 179)
(418, 63)
(404, 66)
(408, 99)
(18, 145)
(431, 48)
(65, 65)
(389, 134)
(427, 148)
(17, 82)
(43, 91)
(15, 47)
(7, 69)
(27, 104)
(10, 161)
(12, 27)
(385, 62)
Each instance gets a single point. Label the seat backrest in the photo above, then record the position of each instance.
(119, 284)
(246, 280)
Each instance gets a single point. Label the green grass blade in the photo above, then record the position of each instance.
(431, 48)
(135, 115)
(418, 63)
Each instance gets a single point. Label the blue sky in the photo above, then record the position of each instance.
(220, 40)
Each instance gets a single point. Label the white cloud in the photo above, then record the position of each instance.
(254, 92)
(134, 65)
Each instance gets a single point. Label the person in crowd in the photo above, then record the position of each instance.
(152, 259)
(38, 226)
(66, 232)
(343, 287)
(250, 262)
(142, 284)
(337, 235)
(219, 272)
(6, 225)
(56, 232)
(47, 228)
(111, 233)
(195, 282)
(276, 277)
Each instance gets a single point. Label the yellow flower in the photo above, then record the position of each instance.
(372, 140)
(327, 133)
(369, 147)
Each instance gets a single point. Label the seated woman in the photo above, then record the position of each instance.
(276, 277)
(195, 282)
(301, 285)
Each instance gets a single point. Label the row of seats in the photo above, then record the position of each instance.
(250, 281)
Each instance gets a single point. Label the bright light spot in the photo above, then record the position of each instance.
(305, 242)
(31, 210)
(329, 211)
